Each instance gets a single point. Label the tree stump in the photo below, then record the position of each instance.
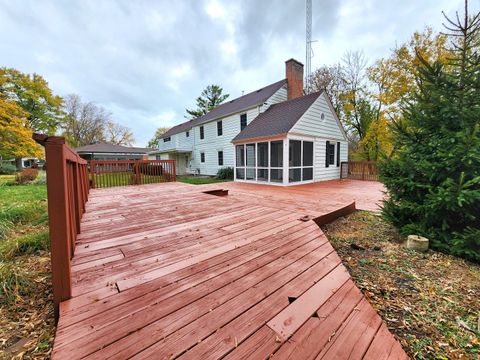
(417, 243)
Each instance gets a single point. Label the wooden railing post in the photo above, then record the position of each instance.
(136, 166)
(59, 220)
(67, 189)
(92, 172)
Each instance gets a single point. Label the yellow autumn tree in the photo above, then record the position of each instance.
(15, 132)
(392, 82)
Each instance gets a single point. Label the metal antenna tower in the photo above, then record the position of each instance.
(308, 45)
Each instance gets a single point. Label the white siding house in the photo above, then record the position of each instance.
(185, 144)
(273, 135)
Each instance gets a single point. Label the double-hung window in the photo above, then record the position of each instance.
(202, 157)
(243, 121)
(329, 154)
(202, 133)
(219, 128)
(220, 158)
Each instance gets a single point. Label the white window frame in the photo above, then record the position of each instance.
(256, 168)
(301, 167)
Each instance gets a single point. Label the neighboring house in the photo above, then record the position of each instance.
(27, 162)
(104, 151)
(273, 135)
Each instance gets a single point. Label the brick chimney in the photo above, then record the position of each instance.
(294, 74)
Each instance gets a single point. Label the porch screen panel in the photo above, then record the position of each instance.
(240, 161)
(307, 170)
(262, 161)
(250, 161)
(295, 161)
(276, 161)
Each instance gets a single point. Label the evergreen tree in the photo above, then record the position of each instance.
(210, 98)
(434, 181)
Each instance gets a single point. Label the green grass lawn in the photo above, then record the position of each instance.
(200, 180)
(25, 281)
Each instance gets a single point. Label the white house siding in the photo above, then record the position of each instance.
(312, 124)
(212, 143)
(320, 172)
(279, 96)
(328, 129)
(179, 142)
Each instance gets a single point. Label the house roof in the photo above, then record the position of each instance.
(278, 118)
(246, 101)
(110, 148)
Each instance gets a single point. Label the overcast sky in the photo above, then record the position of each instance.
(145, 61)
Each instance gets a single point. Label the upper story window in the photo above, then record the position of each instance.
(166, 139)
(243, 121)
(219, 128)
(187, 133)
(202, 134)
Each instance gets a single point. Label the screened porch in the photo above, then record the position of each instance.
(283, 162)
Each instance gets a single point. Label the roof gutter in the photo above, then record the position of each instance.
(260, 138)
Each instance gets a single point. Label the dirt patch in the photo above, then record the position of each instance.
(427, 300)
(27, 325)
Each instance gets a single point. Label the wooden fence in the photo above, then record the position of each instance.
(67, 187)
(109, 173)
(359, 170)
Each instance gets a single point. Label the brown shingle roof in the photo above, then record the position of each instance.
(246, 101)
(278, 118)
(110, 148)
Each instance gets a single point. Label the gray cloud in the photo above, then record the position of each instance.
(145, 61)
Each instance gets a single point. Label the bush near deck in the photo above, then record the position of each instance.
(27, 323)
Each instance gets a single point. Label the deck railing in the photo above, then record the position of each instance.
(67, 188)
(110, 173)
(359, 170)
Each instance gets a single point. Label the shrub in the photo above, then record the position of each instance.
(7, 169)
(26, 176)
(433, 180)
(225, 173)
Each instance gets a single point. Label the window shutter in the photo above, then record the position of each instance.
(338, 153)
(327, 152)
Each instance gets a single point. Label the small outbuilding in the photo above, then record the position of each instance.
(103, 151)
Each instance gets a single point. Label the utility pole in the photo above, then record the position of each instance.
(308, 45)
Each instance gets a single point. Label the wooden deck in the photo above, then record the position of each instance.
(167, 271)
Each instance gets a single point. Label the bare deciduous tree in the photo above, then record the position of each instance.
(88, 123)
(118, 134)
(331, 79)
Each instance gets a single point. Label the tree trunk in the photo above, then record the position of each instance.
(19, 163)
